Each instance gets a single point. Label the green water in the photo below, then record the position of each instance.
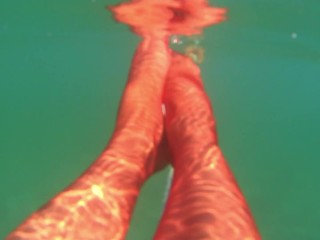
(63, 65)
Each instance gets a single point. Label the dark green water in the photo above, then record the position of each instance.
(63, 65)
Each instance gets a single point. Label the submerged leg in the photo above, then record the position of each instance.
(99, 204)
(204, 201)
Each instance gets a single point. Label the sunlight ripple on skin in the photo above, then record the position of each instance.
(164, 106)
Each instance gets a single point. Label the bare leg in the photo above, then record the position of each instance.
(205, 201)
(98, 205)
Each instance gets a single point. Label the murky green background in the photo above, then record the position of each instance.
(63, 65)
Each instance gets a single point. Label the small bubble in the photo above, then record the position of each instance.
(175, 39)
(294, 35)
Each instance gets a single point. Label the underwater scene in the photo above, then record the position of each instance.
(64, 67)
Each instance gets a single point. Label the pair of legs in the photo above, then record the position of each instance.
(204, 200)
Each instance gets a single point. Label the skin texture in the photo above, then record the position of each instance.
(205, 201)
(98, 205)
